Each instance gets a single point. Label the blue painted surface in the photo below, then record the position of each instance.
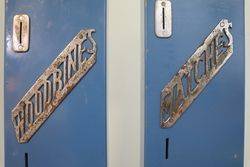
(75, 134)
(211, 132)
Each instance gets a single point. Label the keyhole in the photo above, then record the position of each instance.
(20, 34)
(163, 18)
(26, 160)
(167, 148)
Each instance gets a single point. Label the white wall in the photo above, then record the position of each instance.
(247, 101)
(125, 69)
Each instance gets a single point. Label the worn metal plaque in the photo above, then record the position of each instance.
(53, 85)
(21, 31)
(196, 73)
(163, 18)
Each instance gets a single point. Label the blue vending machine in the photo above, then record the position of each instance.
(55, 83)
(194, 77)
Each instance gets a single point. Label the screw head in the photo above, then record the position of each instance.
(222, 24)
(81, 36)
(20, 47)
(21, 17)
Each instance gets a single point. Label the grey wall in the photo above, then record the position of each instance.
(125, 69)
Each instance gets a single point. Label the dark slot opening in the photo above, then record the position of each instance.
(167, 148)
(163, 18)
(20, 34)
(26, 160)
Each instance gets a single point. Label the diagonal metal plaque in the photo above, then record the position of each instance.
(54, 85)
(196, 73)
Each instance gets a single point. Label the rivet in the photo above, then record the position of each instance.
(21, 17)
(222, 24)
(80, 36)
(20, 47)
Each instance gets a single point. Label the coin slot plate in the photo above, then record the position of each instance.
(163, 18)
(21, 33)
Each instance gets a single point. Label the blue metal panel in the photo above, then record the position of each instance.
(211, 132)
(75, 134)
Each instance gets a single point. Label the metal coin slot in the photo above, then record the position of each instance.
(163, 18)
(20, 35)
(21, 26)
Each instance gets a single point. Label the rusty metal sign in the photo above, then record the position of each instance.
(54, 85)
(196, 73)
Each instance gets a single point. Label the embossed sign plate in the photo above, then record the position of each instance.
(196, 73)
(53, 85)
